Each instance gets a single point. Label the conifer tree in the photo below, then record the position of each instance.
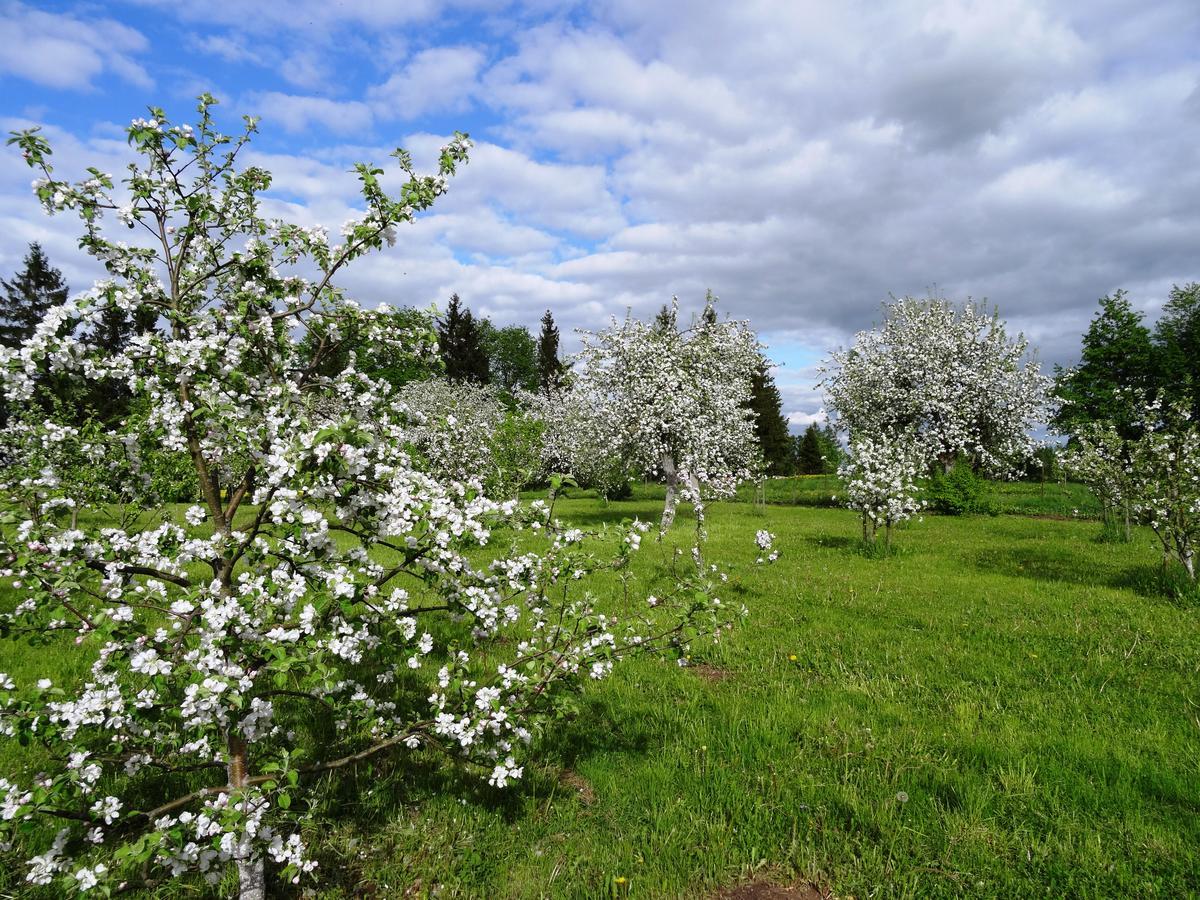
(549, 366)
(460, 341)
(770, 427)
(28, 297)
(808, 452)
(1177, 342)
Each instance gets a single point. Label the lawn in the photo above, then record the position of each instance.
(1006, 708)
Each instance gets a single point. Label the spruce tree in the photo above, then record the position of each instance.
(1117, 357)
(769, 424)
(808, 452)
(460, 340)
(28, 297)
(549, 366)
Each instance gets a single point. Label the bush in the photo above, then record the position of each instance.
(961, 492)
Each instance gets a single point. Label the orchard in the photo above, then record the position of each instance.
(307, 595)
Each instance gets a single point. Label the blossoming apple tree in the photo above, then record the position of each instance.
(666, 402)
(950, 375)
(881, 482)
(464, 432)
(325, 604)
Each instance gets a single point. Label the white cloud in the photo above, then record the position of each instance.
(441, 79)
(62, 51)
(297, 113)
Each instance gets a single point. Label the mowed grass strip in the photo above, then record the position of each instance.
(1005, 708)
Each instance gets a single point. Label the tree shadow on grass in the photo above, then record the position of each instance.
(1039, 565)
(1154, 582)
(361, 804)
(834, 541)
(1145, 580)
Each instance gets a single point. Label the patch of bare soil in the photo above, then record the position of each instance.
(580, 785)
(767, 890)
(711, 674)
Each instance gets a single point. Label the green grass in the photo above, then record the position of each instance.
(1061, 499)
(1027, 687)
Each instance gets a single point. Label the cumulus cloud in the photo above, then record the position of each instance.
(59, 50)
(296, 113)
(441, 79)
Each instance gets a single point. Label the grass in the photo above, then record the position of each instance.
(1060, 499)
(1005, 708)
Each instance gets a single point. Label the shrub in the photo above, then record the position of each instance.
(960, 492)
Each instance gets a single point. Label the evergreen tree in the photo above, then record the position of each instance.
(117, 327)
(29, 296)
(460, 340)
(549, 366)
(1177, 341)
(808, 451)
(665, 320)
(1117, 356)
(770, 427)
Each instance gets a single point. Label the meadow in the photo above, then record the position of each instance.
(1006, 707)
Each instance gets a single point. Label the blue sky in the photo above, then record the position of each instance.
(802, 160)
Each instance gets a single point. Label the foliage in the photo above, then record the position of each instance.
(1165, 476)
(461, 344)
(1117, 364)
(1177, 345)
(817, 450)
(960, 492)
(464, 433)
(512, 357)
(881, 482)
(327, 604)
(1044, 465)
(770, 427)
(383, 351)
(1101, 457)
(947, 374)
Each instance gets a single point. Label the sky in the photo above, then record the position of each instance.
(802, 160)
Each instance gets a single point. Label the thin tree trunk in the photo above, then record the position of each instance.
(868, 538)
(667, 464)
(887, 538)
(252, 880)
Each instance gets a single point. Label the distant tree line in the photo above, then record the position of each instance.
(471, 349)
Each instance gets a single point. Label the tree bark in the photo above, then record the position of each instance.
(252, 879)
(667, 464)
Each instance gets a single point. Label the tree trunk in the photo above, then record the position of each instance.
(868, 535)
(667, 464)
(252, 879)
(1128, 533)
(887, 538)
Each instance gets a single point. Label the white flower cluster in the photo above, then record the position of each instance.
(651, 399)
(1155, 475)
(945, 374)
(881, 481)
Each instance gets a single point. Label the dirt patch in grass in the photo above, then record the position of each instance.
(711, 674)
(579, 785)
(768, 890)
